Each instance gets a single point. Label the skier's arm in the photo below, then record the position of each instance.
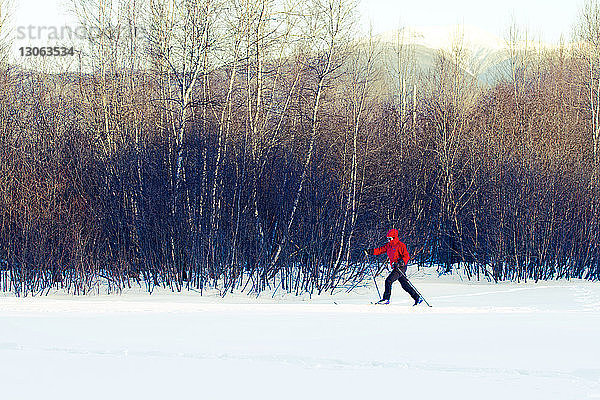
(375, 252)
(380, 250)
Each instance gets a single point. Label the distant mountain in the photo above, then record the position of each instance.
(485, 55)
(445, 36)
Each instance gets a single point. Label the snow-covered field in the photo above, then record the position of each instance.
(479, 341)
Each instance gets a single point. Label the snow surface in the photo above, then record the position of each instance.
(479, 341)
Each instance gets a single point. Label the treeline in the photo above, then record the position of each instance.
(257, 144)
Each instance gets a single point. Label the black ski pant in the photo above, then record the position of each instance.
(400, 276)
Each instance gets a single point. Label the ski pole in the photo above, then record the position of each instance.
(374, 280)
(377, 287)
(413, 286)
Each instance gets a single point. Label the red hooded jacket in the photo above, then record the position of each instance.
(395, 249)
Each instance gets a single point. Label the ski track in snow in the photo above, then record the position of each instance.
(485, 293)
(589, 300)
(582, 376)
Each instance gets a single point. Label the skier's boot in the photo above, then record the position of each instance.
(418, 301)
(383, 301)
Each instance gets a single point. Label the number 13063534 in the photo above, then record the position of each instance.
(48, 51)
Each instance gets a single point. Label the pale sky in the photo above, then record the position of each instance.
(545, 19)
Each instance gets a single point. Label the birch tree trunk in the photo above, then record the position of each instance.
(335, 15)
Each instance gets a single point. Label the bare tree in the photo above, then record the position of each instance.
(327, 27)
(455, 92)
(588, 31)
(6, 8)
(405, 71)
(361, 79)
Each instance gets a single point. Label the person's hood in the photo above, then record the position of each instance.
(393, 233)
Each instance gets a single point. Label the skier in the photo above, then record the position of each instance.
(398, 256)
